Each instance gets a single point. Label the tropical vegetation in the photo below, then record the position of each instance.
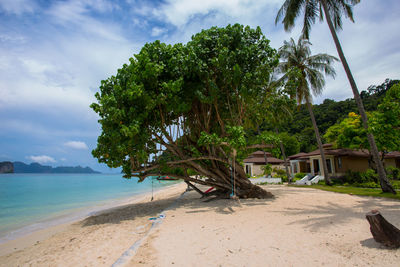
(194, 111)
(332, 12)
(187, 109)
(296, 57)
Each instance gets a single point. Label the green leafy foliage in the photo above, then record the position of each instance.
(393, 172)
(384, 123)
(299, 175)
(329, 113)
(348, 133)
(183, 107)
(267, 169)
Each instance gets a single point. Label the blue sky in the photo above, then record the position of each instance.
(53, 55)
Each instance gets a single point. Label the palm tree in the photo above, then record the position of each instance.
(310, 79)
(333, 10)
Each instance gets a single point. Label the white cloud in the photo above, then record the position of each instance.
(12, 38)
(180, 12)
(157, 31)
(76, 145)
(75, 15)
(61, 69)
(42, 159)
(17, 7)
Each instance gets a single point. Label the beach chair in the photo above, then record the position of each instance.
(304, 180)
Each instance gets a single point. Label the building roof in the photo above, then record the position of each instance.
(342, 152)
(298, 155)
(260, 153)
(361, 153)
(393, 155)
(271, 160)
(258, 157)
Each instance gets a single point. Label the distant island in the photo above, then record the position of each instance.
(20, 167)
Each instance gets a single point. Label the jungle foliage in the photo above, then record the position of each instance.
(331, 112)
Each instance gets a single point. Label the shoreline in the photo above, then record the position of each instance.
(34, 201)
(38, 231)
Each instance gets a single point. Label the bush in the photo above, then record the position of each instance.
(393, 172)
(366, 185)
(299, 175)
(395, 184)
(267, 169)
(354, 178)
(279, 173)
(370, 176)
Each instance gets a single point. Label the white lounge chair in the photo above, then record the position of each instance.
(304, 180)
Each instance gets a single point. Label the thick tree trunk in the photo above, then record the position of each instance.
(385, 185)
(321, 149)
(284, 158)
(383, 231)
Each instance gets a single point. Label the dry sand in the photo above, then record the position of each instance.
(300, 227)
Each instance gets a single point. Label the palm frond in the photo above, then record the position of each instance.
(297, 57)
(291, 9)
(311, 12)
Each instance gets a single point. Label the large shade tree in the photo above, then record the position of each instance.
(332, 10)
(297, 57)
(180, 109)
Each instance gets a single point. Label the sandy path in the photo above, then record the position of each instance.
(300, 227)
(96, 241)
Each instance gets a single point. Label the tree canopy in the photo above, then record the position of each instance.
(188, 108)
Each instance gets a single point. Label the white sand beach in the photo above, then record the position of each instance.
(299, 227)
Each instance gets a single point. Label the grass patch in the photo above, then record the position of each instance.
(372, 192)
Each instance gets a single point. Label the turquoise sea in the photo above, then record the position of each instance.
(30, 202)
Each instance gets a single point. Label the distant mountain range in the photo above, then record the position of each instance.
(20, 167)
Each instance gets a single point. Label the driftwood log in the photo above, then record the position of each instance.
(383, 231)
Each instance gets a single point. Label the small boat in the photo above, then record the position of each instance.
(166, 178)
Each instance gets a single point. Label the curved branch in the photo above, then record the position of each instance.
(180, 162)
(260, 146)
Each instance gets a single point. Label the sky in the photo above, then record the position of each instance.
(54, 54)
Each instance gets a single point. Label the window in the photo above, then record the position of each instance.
(295, 167)
(248, 169)
(316, 166)
(329, 165)
(339, 162)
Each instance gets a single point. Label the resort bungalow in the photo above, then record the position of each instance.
(256, 160)
(299, 163)
(339, 161)
(392, 159)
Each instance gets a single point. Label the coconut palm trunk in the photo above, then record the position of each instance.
(321, 148)
(284, 158)
(384, 182)
(265, 154)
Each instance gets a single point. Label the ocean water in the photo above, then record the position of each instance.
(29, 202)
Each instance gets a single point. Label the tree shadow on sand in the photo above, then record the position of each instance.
(129, 212)
(321, 216)
(191, 200)
(371, 243)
